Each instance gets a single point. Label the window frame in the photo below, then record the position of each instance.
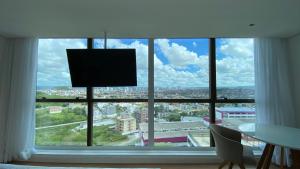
(89, 100)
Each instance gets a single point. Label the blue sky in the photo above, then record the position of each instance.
(178, 62)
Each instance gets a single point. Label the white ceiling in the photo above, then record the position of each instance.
(149, 18)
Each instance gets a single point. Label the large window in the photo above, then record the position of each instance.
(60, 124)
(181, 69)
(183, 85)
(235, 85)
(181, 124)
(57, 119)
(117, 122)
(235, 68)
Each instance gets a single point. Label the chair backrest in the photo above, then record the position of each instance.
(228, 145)
(227, 132)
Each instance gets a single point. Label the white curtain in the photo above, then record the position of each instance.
(18, 66)
(274, 104)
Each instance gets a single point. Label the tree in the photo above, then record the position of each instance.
(38, 105)
(199, 113)
(79, 111)
(173, 117)
(184, 114)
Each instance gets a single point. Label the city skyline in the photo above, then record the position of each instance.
(142, 93)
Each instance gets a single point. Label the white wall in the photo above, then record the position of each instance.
(294, 66)
(1, 45)
(2, 41)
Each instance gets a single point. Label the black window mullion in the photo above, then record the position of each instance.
(235, 101)
(120, 100)
(212, 84)
(61, 100)
(89, 96)
(90, 116)
(182, 100)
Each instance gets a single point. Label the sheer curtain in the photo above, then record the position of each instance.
(18, 59)
(273, 96)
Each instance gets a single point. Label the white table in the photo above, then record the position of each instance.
(273, 136)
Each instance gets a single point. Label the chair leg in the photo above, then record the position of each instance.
(230, 165)
(242, 166)
(223, 164)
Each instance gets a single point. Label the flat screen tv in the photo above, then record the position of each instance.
(102, 67)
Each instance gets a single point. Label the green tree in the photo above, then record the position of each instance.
(199, 113)
(184, 114)
(173, 117)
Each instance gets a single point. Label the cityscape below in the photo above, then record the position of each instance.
(126, 124)
(244, 92)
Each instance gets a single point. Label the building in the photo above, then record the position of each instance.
(173, 132)
(190, 119)
(55, 109)
(126, 124)
(161, 114)
(235, 112)
(141, 115)
(233, 116)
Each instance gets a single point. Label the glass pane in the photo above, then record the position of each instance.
(118, 124)
(239, 116)
(53, 76)
(235, 68)
(60, 124)
(141, 90)
(181, 68)
(180, 125)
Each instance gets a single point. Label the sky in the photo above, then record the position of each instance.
(177, 62)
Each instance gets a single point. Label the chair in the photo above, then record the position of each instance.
(229, 147)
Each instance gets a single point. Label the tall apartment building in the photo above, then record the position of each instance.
(126, 124)
(141, 116)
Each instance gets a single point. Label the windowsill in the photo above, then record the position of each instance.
(126, 152)
(126, 156)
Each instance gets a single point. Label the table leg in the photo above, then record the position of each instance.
(282, 158)
(263, 156)
(230, 165)
(223, 164)
(268, 159)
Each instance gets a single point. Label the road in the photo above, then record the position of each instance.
(59, 125)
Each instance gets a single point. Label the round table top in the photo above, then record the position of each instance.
(273, 134)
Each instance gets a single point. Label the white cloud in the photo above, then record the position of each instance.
(53, 66)
(236, 67)
(167, 76)
(179, 56)
(241, 47)
(176, 73)
(52, 61)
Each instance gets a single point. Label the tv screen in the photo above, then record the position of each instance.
(102, 67)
